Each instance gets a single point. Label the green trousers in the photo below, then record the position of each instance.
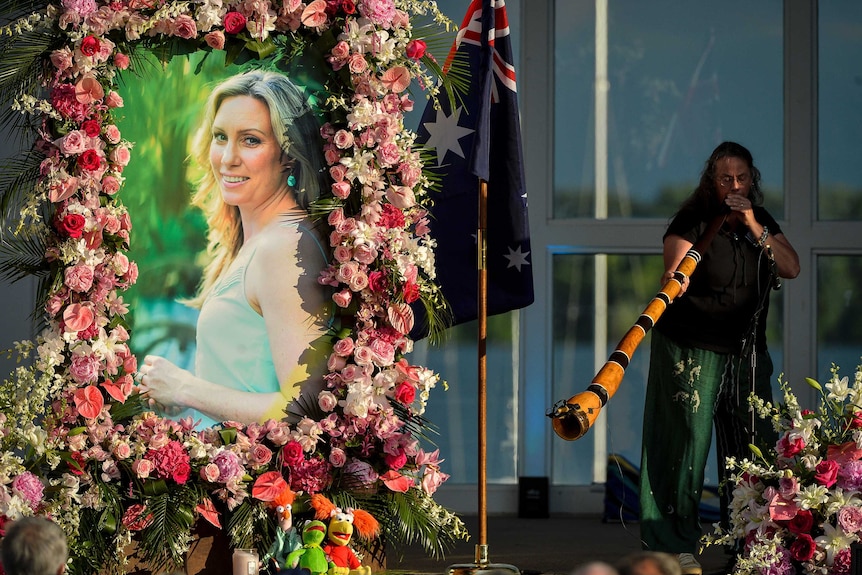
(689, 389)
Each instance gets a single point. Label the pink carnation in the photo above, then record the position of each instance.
(28, 487)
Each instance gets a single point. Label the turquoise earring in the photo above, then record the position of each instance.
(291, 180)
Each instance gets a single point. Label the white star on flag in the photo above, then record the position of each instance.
(445, 133)
(517, 258)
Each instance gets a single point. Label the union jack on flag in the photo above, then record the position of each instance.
(480, 140)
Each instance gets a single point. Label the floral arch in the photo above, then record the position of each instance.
(78, 444)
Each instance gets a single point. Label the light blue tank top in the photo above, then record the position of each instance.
(232, 343)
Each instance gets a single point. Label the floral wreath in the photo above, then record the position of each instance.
(78, 444)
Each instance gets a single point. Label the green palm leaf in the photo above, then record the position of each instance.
(166, 540)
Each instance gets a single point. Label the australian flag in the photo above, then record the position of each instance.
(480, 139)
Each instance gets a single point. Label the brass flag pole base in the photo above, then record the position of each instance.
(482, 566)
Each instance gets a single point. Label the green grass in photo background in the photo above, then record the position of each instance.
(162, 110)
(163, 107)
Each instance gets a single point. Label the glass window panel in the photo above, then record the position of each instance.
(678, 86)
(632, 280)
(839, 307)
(839, 110)
(454, 411)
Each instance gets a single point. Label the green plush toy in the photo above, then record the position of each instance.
(311, 556)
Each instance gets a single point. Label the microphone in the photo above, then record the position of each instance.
(773, 268)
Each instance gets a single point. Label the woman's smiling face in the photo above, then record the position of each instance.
(246, 158)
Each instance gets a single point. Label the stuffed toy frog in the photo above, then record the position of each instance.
(311, 556)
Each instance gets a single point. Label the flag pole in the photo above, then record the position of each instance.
(482, 252)
(482, 566)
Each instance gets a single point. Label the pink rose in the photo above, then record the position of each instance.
(121, 61)
(365, 254)
(234, 22)
(342, 298)
(327, 401)
(75, 142)
(341, 50)
(342, 253)
(279, 435)
(122, 451)
(396, 462)
(215, 40)
(343, 139)
(338, 171)
(110, 185)
(210, 472)
(185, 27)
(359, 281)
(341, 189)
(826, 473)
(850, 519)
(260, 454)
(344, 347)
(357, 64)
(62, 59)
(114, 100)
(337, 457)
(335, 362)
(112, 134)
(120, 156)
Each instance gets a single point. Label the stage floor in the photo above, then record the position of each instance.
(553, 546)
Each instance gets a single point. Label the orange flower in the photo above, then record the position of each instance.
(314, 15)
(89, 90)
(89, 401)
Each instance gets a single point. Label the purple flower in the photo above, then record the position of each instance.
(782, 564)
(850, 476)
(228, 465)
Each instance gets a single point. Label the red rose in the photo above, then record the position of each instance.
(73, 225)
(181, 472)
(89, 46)
(90, 160)
(826, 473)
(856, 419)
(405, 393)
(802, 523)
(803, 548)
(292, 453)
(377, 281)
(91, 128)
(348, 6)
(411, 292)
(234, 22)
(78, 463)
(416, 49)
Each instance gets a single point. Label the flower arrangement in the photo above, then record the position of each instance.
(798, 508)
(77, 442)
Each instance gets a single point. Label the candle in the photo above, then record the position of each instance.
(245, 562)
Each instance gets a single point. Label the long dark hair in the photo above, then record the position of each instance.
(704, 199)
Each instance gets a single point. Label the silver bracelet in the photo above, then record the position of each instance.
(763, 237)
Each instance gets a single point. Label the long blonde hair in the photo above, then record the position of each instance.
(298, 134)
